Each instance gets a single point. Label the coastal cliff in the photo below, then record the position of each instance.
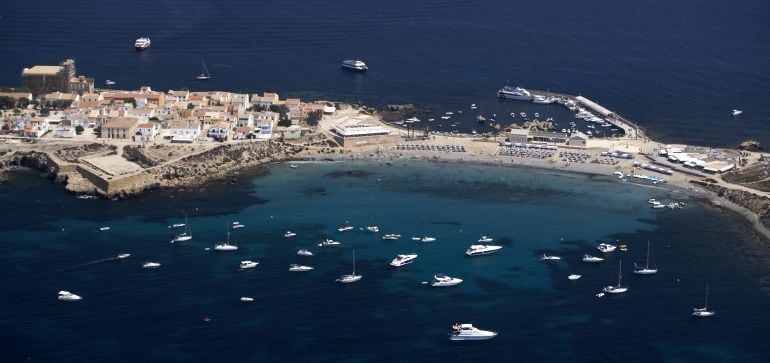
(758, 205)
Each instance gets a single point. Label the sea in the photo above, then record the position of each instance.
(677, 68)
(189, 308)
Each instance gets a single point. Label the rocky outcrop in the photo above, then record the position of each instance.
(31, 159)
(536, 125)
(756, 204)
(135, 154)
(756, 176)
(750, 145)
(74, 153)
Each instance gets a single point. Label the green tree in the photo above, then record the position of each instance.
(313, 117)
(190, 106)
(79, 129)
(6, 102)
(284, 122)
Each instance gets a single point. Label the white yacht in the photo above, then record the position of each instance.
(469, 332)
(247, 299)
(329, 243)
(304, 252)
(737, 112)
(427, 239)
(345, 228)
(545, 257)
(446, 117)
(151, 265)
(594, 259)
(606, 247)
(574, 277)
(616, 289)
(441, 280)
(68, 296)
(412, 120)
(142, 43)
(704, 311)
(204, 76)
(225, 246)
(237, 225)
(373, 229)
(104, 228)
(478, 250)
(123, 255)
(485, 239)
(248, 264)
(346, 279)
(109, 83)
(177, 225)
(184, 236)
(354, 65)
(293, 166)
(299, 268)
(402, 260)
(646, 270)
(289, 234)
(515, 93)
(391, 236)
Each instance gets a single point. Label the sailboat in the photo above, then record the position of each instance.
(184, 236)
(646, 270)
(617, 289)
(226, 246)
(704, 311)
(346, 279)
(205, 76)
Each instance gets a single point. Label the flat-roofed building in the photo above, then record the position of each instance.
(361, 134)
(520, 136)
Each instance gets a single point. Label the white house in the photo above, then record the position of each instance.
(265, 129)
(184, 131)
(246, 120)
(146, 132)
(219, 130)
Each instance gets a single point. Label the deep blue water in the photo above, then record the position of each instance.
(49, 242)
(676, 67)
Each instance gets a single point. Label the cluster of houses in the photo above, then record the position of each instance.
(146, 115)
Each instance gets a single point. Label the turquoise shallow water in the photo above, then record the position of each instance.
(48, 242)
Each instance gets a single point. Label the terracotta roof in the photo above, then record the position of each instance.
(121, 123)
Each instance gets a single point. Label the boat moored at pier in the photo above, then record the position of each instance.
(514, 93)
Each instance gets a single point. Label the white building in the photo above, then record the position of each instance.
(146, 132)
(184, 131)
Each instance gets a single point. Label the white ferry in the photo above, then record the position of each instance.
(354, 65)
(402, 260)
(142, 43)
(514, 93)
(469, 332)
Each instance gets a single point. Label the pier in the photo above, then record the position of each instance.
(630, 129)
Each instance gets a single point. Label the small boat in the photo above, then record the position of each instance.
(704, 311)
(441, 280)
(450, 113)
(473, 106)
(606, 247)
(86, 196)
(427, 239)
(617, 289)
(123, 255)
(184, 236)
(592, 259)
(247, 299)
(104, 228)
(293, 166)
(658, 206)
(391, 236)
(176, 225)
(204, 76)
(299, 268)
(373, 229)
(545, 257)
(480, 119)
(402, 260)
(109, 83)
(68, 296)
(737, 112)
(225, 246)
(485, 239)
(356, 65)
(469, 332)
(479, 250)
(329, 243)
(142, 43)
(646, 270)
(346, 279)
(237, 225)
(537, 115)
(289, 234)
(248, 264)
(574, 277)
(601, 294)
(345, 228)
(412, 120)
(304, 252)
(151, 265)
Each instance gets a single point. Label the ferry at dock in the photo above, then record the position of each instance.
(514, 93)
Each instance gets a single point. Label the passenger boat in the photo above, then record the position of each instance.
(515, 93)
(402, 260)
(142, 43)
(441, 280)
(616, 289)
(469, 332)
(479, 250)
(356, 65)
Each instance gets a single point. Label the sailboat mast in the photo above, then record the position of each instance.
(620, 264)
(354, 262)
(706, 307)
(648, 255)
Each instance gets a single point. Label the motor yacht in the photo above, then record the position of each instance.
(478, 250)
(402, 260)
(142, 43)
(329, 243)
(104, 228)
(427, 239)
(391, 236)
(469, 332)
(593, 259)
(247, 299)
(606, 247)
(354, 65)
(515, 93)
(345, 228)
(574, 277)
(237, 225)
(248, 264)
(545, 257)
(737, 112)
(123, 255)
(151, 265)
(289, 234)
(485, 239)
(373, 229)
(304, 252)
(441, 280)
(299, 268)
(68, 296)
(109, 83)
(181, 237)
